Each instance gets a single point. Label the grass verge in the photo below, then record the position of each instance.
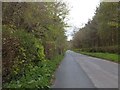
(38, 76)
(107, 56)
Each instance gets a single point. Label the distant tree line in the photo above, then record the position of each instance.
(101, 33)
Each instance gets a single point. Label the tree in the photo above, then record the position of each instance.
(101, 31)
(44, 20)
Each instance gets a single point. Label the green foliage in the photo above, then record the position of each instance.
(101, 33)
(109, 49)
(10, 46)
(32, 32)
(37, 77)
(29, 52)
(108, 56)
(31, 47)
(44, 20)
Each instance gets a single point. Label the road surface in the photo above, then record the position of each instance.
(81, 71)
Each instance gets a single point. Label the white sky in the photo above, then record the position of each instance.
(80, 12)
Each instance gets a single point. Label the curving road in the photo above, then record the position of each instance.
(81, 71)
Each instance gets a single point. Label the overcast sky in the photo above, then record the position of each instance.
(80, 12)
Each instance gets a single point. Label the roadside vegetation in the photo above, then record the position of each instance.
(37, 76)
(33, 43)
(107, 56)
(100, 36)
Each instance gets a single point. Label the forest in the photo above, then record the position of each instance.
(101, 34)
(33, 42)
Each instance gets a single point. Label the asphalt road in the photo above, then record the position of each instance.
(81, 71)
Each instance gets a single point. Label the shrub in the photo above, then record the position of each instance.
(10, 46)
(21, 51)
(37, 77)
(109, 49)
